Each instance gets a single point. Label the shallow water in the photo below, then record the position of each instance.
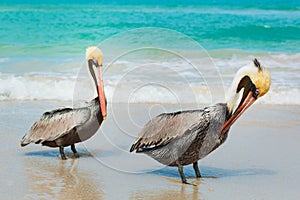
(53, 28)
(195, 47)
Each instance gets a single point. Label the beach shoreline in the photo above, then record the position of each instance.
(158, 56)
(258, 161)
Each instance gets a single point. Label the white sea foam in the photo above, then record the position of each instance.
(4, 60)
(35, 88)
(282, 96)
(57, 88)
(152, 81)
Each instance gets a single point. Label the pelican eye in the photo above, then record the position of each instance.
(256, 93)
(95, 62)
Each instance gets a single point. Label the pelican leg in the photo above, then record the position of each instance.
(180, 170)
(62, 153)
(196, 168)
(74, 151)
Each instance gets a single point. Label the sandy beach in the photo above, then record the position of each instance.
(158, 56)
(258, 161)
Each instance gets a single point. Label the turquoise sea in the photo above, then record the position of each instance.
(42, 46)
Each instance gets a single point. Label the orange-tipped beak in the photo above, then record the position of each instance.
(249, 100)
(101, 93)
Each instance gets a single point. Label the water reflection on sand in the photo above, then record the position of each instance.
(57, 179)
(182, 192)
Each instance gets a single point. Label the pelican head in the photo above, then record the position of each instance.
(250, 83)
(94, 57)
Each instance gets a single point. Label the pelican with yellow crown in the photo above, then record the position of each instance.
(66, 126)
(184, 137)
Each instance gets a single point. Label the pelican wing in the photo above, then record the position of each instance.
(55, 124)
(168, 126)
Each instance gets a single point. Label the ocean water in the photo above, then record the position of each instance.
(169, 52)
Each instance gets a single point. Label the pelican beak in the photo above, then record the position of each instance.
(100, 86)
(246, 102)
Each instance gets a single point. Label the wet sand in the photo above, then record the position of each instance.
(260, 159)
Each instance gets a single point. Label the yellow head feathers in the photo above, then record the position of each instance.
(94, 52)
(260, 77)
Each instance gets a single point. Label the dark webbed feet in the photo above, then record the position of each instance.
(62, 153)
(197, 171)
(76, 155)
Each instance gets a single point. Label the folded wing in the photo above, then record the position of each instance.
(169, 126)
(55, 124)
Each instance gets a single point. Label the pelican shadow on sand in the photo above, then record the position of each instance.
(54, 154)
(213, 172)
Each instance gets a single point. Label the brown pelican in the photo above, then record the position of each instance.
(66, 126)
(184, 137)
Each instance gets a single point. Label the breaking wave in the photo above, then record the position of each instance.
(38, 87)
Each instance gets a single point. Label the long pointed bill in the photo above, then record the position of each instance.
(240, 110)
(101, 94)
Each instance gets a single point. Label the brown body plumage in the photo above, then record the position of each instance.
(67, 126)
(182, 138)
(64, 127)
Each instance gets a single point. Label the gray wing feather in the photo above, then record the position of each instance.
(168, 126)
(55, 124)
